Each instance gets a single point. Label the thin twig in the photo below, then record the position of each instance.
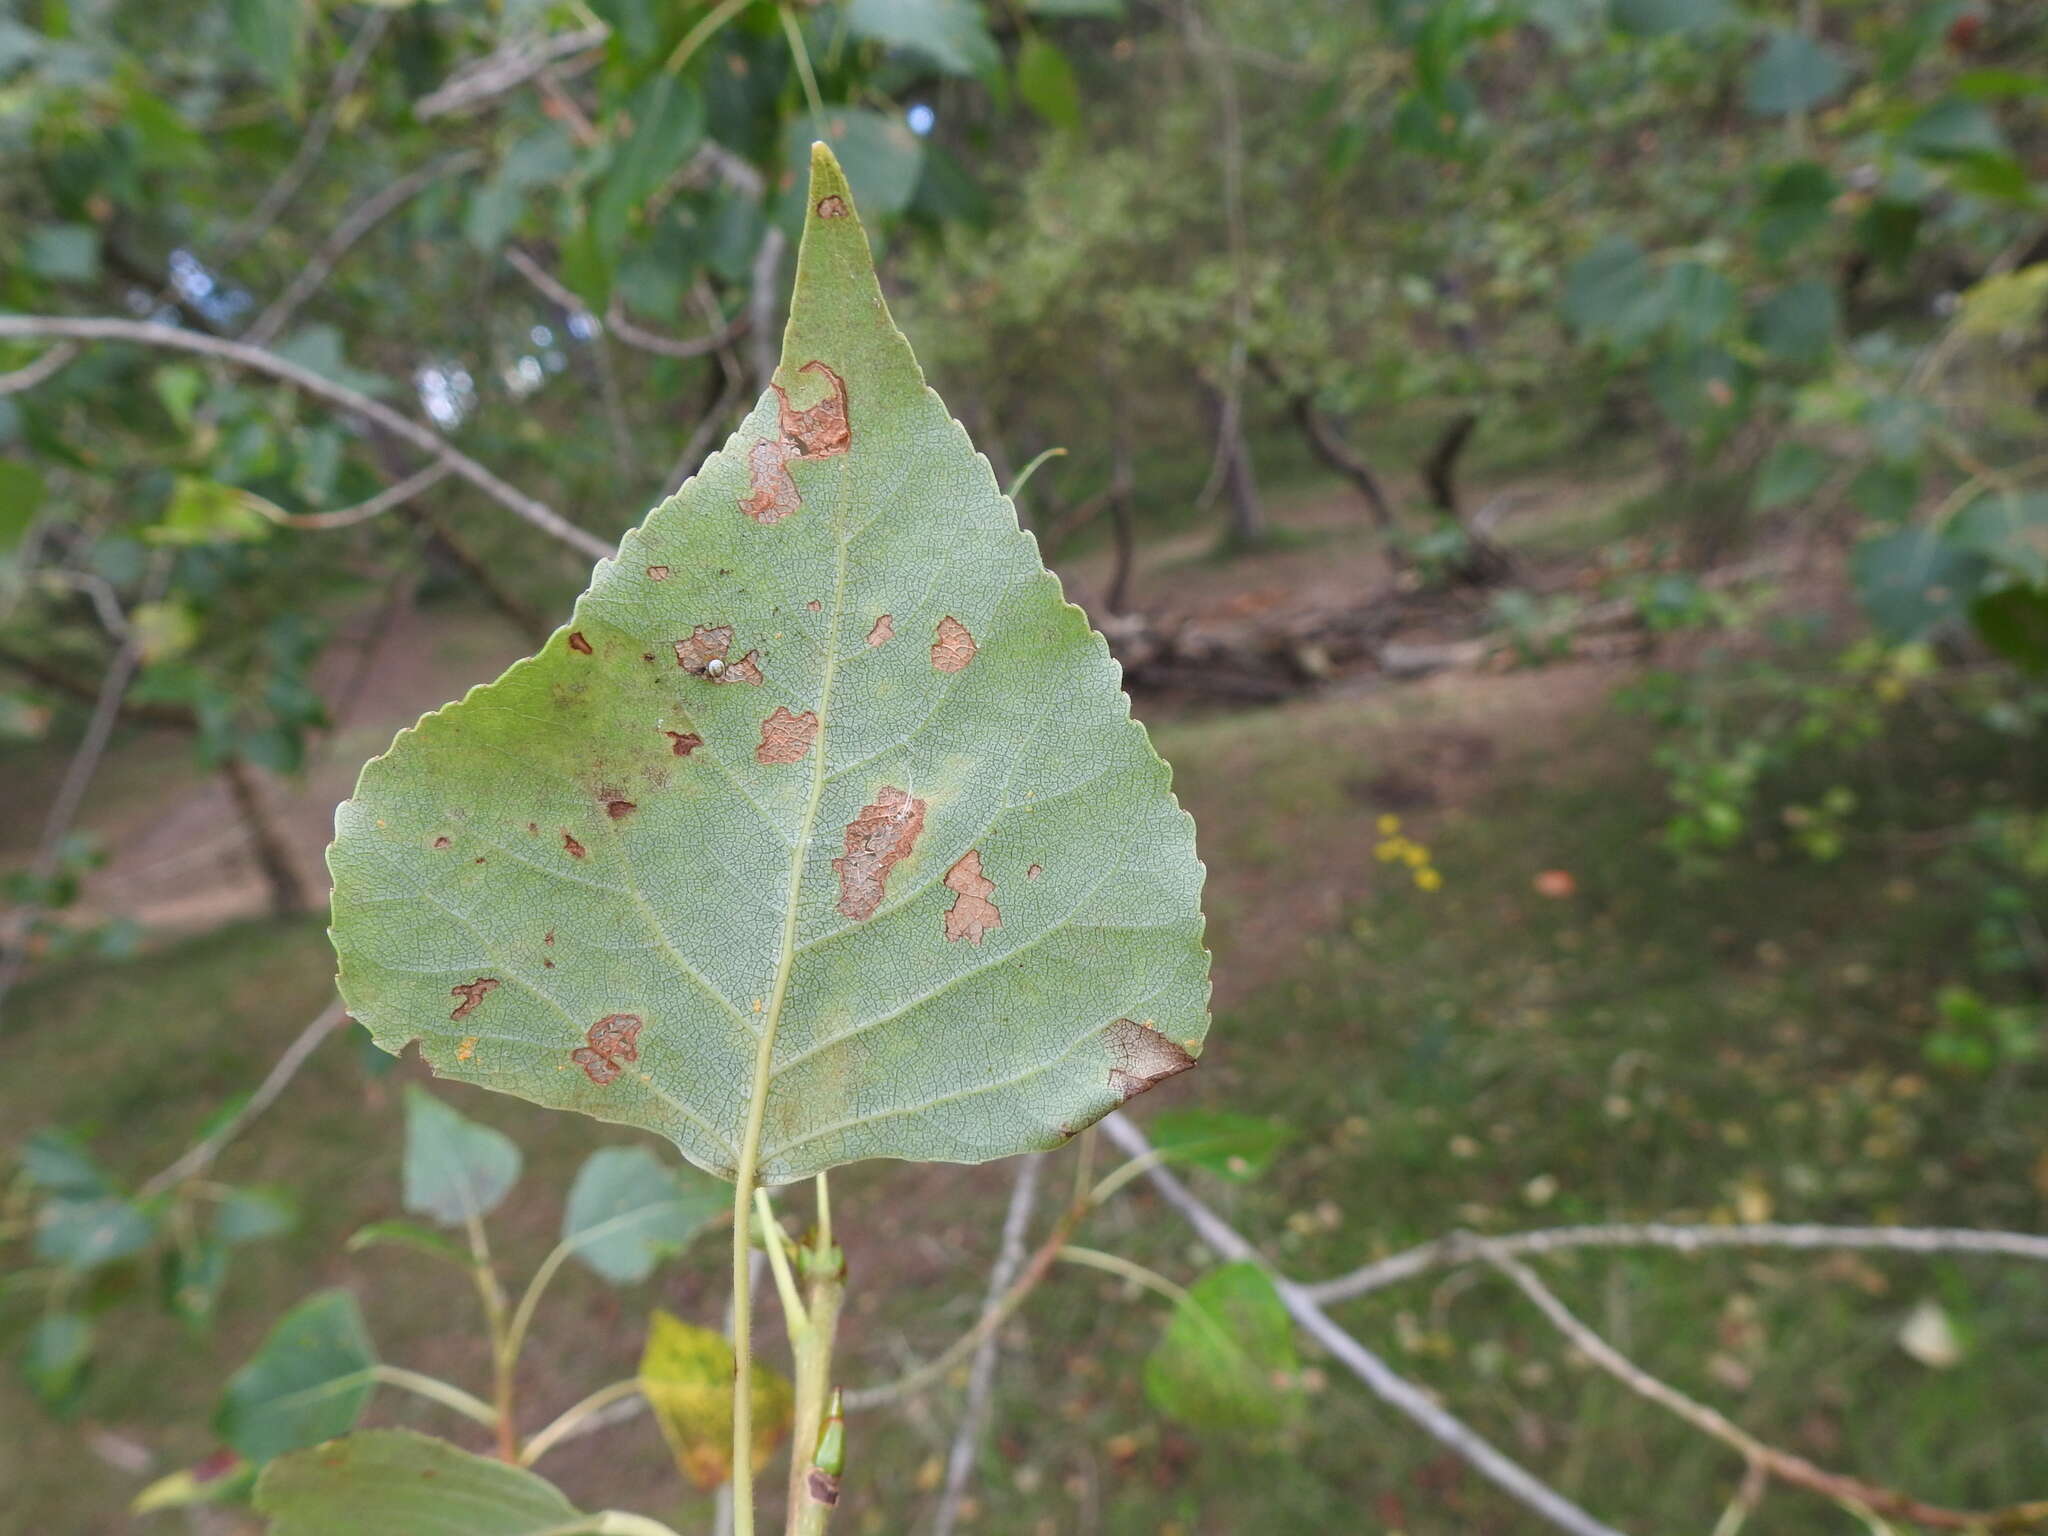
(359, 221)
(197, 1158)
(506, 70)
(1466, 1247)
(1384, 1382)
(85, 762)
(617, 321)
(981, 1374)
(1230, 428)
(151, 333)
(347, 517)
(1782, 1465)
(763, 304)
(37, 369)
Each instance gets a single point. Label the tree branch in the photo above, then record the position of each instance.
(615, 318)
(506, 70)
(347, 517)
(150, 333)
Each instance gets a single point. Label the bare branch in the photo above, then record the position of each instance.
(33, 372)
(197, 1158)
(347, 517)
(699, 443)
(1467, 1247)
(150, 333)
(1385, 1383)
(981, 1375)
(361, 219)
(312, 144)
(616, 320)
(1782, 1465)
(767, 282)
(507, 69)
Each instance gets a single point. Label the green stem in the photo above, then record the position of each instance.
(1137, 1274)
(774, 1240)
(701, 33)
(565, 1423)
(1024, 475)
(816, 1445)
(492, 1296)
(811, 1510)
(447, 1394)
(802, 55)
(522, 1315)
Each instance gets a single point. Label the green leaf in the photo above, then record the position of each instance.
(1613, 293)
(1108, 9)
(1699, 301)
(1886, 493)
(192, 1280)
(668, 125)
(1953, 127)
(220, 1478)
(953, 34)
(56, 1161)
(1792, 74)
(2009, 304)
(1796, 204)
(56, 1355)
(1231, 1145)
(1045, 80)
(407, 1234)
(1665, 18)
(912, 829)
(1797, 324)
(883, 159)
(2008, 529)
(2014, 623)
(627, 1209)
(63, 253)
(455, 1169)
(249, 1215)
(21, 497)
(1700, 388)
(273, 34)
(85, 1234)
(208, 512)
(308, 1383)
(1914, 582)
(399, 1482)
(1226, 1353)
(686, 1375)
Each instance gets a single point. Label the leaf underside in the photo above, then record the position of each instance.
(822, 752)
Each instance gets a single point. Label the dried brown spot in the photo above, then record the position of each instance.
(441, 842)
(877, 840)
(647, 655)
(548, 937)
(1143, 1057)
(822, 1486)
(533, 828)
(657, 573)
(746, 670)
(613, 1039)
(833, 207)
(576, 850)
(819, 432)
(703, 655)
(683, 743)
(547, 965)
(472, 994)
(619, 810)
(954, 647)
(814, 605)
(478, 859)
(883, 632)
(1034, 872)
(972, 913)
(578, 644)
(786, 738)
(466, 1048)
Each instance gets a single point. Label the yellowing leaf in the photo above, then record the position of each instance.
(686, 1377)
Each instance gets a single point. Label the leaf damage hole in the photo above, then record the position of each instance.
(683, 743)
(612, 1040)
(786, 738)
(883, 632)
(813, 605)
(578, 644)
(657, 573)
(833, 207)
(821, 431)
(442, 842)
(1034, 872)
(1142, 1058)
(575, 849)
(972, 913)
(472, 994)
(877, 840)
(954, 646)
(703, 655)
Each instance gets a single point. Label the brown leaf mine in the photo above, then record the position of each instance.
(472, 994)
(954, 647)
(578, 644)
(883, 632)
(786, 738)
(574, 849)
(972, 913)
(819, 432)
(613, 1039)
(683, 743)
(1143, 1058)
(703, 655)
(877, 840)
(657, 573)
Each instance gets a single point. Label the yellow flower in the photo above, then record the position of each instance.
(1389, 825)
(1428, 879)
(1416, 855)
(1390, 850)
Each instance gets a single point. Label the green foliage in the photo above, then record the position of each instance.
(396, 1480)
(704, 758)
(1230, 1145)
(1226, 1362)
(308, 1383)
(627, 1210)
(686, 1375)
(456, 1171)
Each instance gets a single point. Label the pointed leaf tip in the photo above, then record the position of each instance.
(831, 194)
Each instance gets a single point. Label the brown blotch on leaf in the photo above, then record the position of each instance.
(613, 1040)
(441, 842)
(533, 828)
(578, 644)
(1034, 872)
(703, 655)
(883, 632)
(954, 647)
(575, 849)
(786, 738)
(1142, 1058)
(683, 743)
(972, 913)
(814, 605)
(478, 859)
(548, 937)
(472, 994)
(619, 810)
(657, 573)
(821, 1485)
(877, 840)
(746, 670)
(819, 432)
(833, 207)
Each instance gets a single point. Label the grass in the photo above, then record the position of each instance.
(1484, 1056)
